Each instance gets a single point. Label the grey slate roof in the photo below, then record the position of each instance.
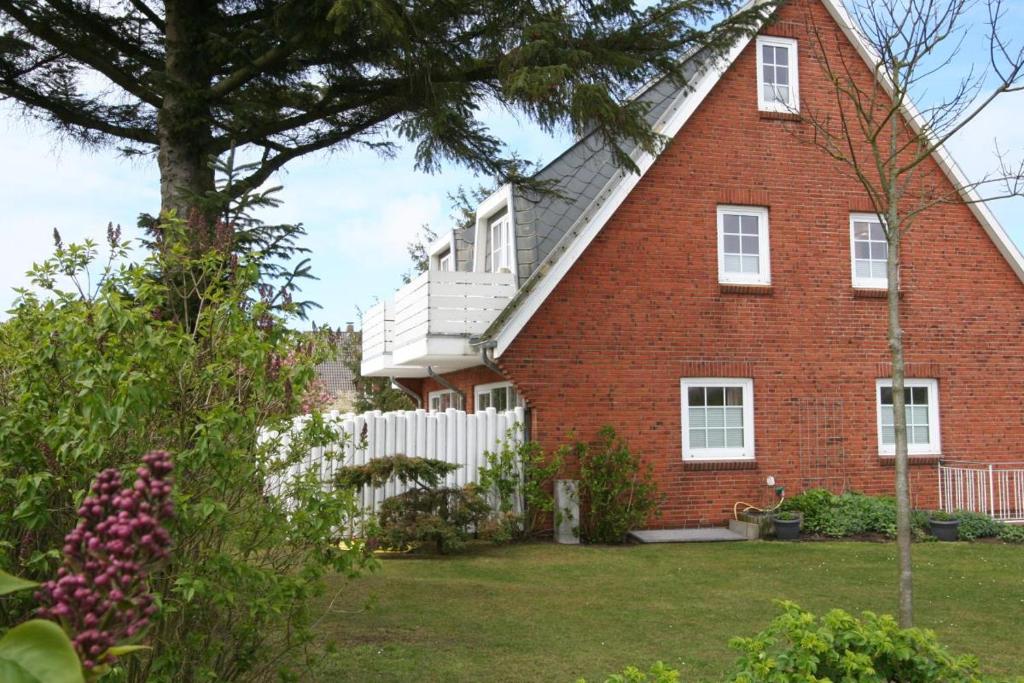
(578, 176)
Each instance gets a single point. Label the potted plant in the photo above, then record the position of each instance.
(787, 525)
(944, 526)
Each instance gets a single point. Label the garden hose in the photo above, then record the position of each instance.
(735, 507)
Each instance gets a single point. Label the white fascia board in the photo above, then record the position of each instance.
(604, 206)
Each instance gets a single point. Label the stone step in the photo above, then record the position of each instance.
(706, 534)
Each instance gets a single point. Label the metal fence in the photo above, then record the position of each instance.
(994, 489)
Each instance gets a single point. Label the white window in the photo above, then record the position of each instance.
(444, 399)
(922, 409)
(868, 251)
(500, 244)
(500, 396)
(777, 75)
(444, 261)
(743, 245)
(718, 419)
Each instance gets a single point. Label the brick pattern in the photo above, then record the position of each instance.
(463, 380)
(642, 308)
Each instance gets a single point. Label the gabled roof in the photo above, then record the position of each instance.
(564, 228)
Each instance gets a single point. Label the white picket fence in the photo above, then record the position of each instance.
(996, 490)
(453, 436)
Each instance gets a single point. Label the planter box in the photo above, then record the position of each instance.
(747, 530)
(945, 529)
(762, 521)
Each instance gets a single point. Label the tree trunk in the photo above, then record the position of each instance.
(185, 122)
(895, 335)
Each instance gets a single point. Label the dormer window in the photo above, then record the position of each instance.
(495, 238)
(444, 261)
(777, 75)
(499, 243)
(441, 253)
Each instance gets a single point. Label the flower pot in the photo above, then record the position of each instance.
(945, 529)
(787, 529)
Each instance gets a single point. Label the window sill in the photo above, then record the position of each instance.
(729, 288)
(711, 465)
(780, 115)
(924, 459)
(872, 293)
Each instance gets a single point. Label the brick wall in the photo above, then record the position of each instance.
(464, 380)
(642, 308)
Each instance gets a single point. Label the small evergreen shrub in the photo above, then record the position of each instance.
(428, 512)
(617, 491)
(798, 646)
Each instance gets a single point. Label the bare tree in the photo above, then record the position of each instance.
(874, 130)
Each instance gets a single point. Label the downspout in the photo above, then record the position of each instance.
(486, 359)
(395, 384)
(489, 363)
(446, 384)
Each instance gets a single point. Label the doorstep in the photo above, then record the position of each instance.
(707, 534)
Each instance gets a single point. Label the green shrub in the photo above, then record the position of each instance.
(1011, 533)
(443, 517)
(798, 646)
(974, 525)
(844, 515)
(177, 352)
(617, 492)
(428, 512)
(519, 476)
(658, 673)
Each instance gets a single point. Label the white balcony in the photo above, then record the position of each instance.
(431, 321)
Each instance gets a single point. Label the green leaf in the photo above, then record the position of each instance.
(122, 650)
(38, 651)
(12, 584)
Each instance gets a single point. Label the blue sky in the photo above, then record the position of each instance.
(360, 210)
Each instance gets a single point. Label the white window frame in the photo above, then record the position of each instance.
(864, 282)
(793, 105)
(438, 394)
(934, 445)
(764, 276)
(482, 389)
(500, 200)
(744, 453)
(444, 262)
(501, 225)
(441, 248)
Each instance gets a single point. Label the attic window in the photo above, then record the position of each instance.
(777, 75)
(444, 261)
(499, 243)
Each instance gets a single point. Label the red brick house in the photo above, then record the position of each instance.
(723, 308)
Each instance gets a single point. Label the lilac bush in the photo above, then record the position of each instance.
(101, 596)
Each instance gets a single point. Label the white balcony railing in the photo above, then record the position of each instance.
(431, 320)
(993, 489)
(445, 303)
(378, 330)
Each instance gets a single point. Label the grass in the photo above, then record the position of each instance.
(542, 612)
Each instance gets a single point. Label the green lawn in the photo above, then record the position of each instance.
(543, 612)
